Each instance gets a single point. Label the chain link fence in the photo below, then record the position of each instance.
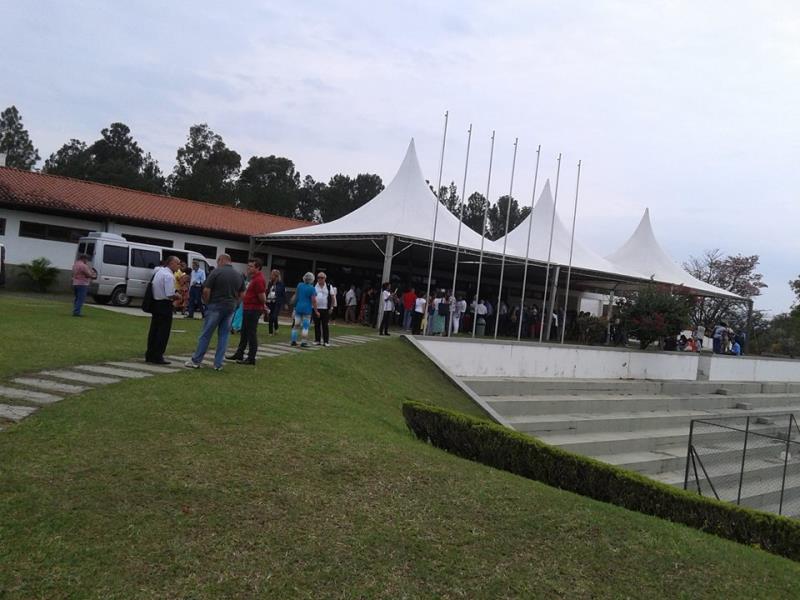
(752, 461)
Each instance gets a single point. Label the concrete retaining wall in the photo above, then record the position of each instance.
(488, 358)
(467, 358)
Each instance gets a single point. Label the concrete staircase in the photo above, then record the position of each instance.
(644, 426)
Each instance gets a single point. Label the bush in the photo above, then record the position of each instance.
(39, 273)
(511, 451)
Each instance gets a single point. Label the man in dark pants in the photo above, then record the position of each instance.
(254, 303)
(326, 301)
(161, 319)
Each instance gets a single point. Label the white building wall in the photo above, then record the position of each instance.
(62, 254)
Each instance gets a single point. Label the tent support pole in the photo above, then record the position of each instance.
(528, 245)
(505, 242)
(571, 247)
(458, 239)
(386, 275)
(269, 263)
(550, 254)
(552, 302)
(483, 239)
(749, 326)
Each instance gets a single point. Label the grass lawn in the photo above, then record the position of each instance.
(298, 478)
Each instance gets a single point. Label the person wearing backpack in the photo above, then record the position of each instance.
(326, 302)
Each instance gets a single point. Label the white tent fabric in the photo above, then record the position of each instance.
(582, 258)
(404, 208)
(643, 253)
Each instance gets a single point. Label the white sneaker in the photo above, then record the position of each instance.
(191, 364)
(218, 368)
(316, 343)
(327, 345)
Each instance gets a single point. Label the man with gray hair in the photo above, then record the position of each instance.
(163, 288)
(305, 305)
(221, 294)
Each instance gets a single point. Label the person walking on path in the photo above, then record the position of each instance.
(350, 303)
(163, 287)
(196, 281)
(221, 293)
(326, 302)
(276, 298)
(305, 304)
(82, 274)
(254, 303)
(387, 300)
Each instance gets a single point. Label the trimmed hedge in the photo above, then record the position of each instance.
(502, 448)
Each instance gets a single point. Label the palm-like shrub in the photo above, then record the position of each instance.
(39, 272)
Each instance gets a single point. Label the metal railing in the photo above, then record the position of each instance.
(751, 461)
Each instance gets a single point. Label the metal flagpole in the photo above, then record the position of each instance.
(550, 252)
(483, 238)
(505, 240)
(460, 221)
(436, 212)
(528, 247)
(571, 246)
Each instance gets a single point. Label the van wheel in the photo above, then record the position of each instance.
(120, 298)
(102, 299)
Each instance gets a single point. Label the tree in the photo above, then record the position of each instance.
(497, 216)
(269, 184)
(15, 141)
(736, 274)
(309, 200)
(654, 312)
(206, 168)
(448, 195)
(473, 212)
(795, 285)
(114, 159)
(343, 195)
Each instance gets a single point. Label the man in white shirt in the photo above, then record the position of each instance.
(459, 308)
(419, 314)
(387, 299)
(198, 278)
(326, 301)
(350, 302)
(163, 287)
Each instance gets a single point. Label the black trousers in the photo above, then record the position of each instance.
(160, 327)
(248, 337)
(321, 332)
(387, 318)
(416, 323)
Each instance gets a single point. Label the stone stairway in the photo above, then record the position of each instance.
(22, 396)
(644, 426)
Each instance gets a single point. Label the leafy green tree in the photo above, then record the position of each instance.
(115, 159)
(206, 168)
(39, 272)
(473, 212)
(343, 194)
(448, 195)
(309, 200)
(737, 274)
(497, 216)
(15, 141)
(269, 184)
(653, 313)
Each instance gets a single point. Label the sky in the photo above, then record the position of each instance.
(688, 108)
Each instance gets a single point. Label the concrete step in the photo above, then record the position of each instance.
(513, 406)
(520, 386)
(14, 393)
(628, 421)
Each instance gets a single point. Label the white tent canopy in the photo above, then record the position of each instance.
(643, 253)
(542, 216)
(405, 208)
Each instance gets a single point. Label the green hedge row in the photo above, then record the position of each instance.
(520, 454)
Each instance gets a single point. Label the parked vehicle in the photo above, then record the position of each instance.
(124, 268)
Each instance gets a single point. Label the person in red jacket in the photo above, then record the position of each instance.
(254, 304)
(409, 299)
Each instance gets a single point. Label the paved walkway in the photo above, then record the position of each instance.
(24, 395)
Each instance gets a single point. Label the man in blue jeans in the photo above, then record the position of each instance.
(222, 291)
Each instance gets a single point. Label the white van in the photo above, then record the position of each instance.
(124, 268)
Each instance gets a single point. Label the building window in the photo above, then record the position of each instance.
(2, 226)
(238, 256)
(207, 251)
(147, 259)
(144, 239)
(115, 255)
(55, 233)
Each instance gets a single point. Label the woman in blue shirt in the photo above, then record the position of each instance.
(305, 304)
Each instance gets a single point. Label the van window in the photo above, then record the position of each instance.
(147, 259)
(115, 255)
